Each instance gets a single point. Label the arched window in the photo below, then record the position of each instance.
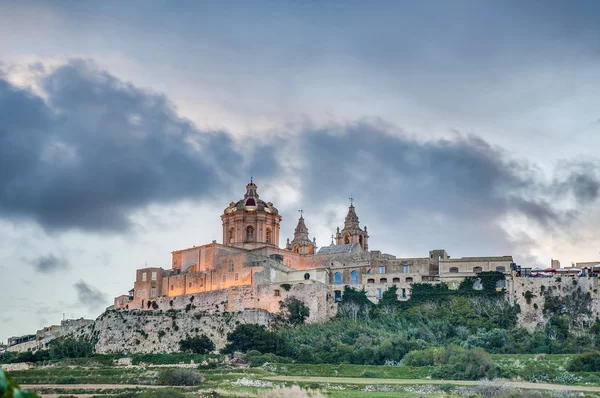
(306, 276)
(354, 277)
(477, 285)
(383, 280)
(396, 280)
(296, 248)
(231, 266)
(370, 280)
(231, 235)
(501, 284)
(360, 240)
(453, 270)
(477, 269)
(337, 278)
(409, 280)
(249, 233)
(309, 249)
(500, 269)
(268, 235)
(347, 239)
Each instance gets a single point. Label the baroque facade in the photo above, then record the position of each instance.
(249, 270)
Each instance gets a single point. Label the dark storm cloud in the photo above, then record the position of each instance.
(580, 179)
(462, 177)
(449, 192)
(90, 297)
(99, 149)
(49, 263)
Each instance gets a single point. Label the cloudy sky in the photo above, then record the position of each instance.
(127, 128)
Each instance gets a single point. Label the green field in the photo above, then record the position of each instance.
(76, 377)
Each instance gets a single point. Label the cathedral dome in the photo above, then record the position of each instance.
(251, 202)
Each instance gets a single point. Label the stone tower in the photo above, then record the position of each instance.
(301, 243)
(251, 222)
(352, 233)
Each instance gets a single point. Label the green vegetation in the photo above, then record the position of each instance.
(179, 377)
(198, 344)
(294, 311)
(9, 388)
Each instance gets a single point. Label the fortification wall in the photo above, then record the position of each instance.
(159, 331)
(531, 315)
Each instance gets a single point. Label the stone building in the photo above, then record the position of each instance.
(249, 270)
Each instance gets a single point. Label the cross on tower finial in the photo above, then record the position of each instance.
(351, 199)
(251, 182)
(301, 211)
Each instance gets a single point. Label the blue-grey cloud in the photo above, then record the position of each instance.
(50, 263)
(99, 149)
(90, 297)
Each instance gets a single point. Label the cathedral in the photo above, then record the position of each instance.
(249, 270)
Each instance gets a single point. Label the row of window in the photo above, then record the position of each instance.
(337, 279)
(477, 270)
(249, 234)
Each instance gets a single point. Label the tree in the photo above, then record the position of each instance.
(294, 310)
(354, 304)
(254, 337)
(197, 344)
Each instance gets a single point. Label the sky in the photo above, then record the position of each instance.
(127, 127)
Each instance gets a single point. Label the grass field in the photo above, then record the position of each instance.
(77, 377)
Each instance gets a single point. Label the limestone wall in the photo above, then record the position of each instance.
(156, 331)
(531, 314)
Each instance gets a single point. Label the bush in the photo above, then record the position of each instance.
(254, 337)
(586, 362)
(70, 348)
(198, 345)
(256, 359)
(179, 377)
(454, 362)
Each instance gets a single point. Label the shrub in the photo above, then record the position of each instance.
(70, 348)
(447, 388)
(248, 337)
(286, 287)
(198, 345)
(586, 362)
(256, 359)
(179, 377)
(67, 380)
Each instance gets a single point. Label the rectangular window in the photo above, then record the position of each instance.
(236, 276)
(153, 292)
(406, 269)
(153, 275)
(276, 293)
(172, 287)
(224, 278)
(379, 294)
(382, 270)
(403, 293)
(143, 277)
(190, 284)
